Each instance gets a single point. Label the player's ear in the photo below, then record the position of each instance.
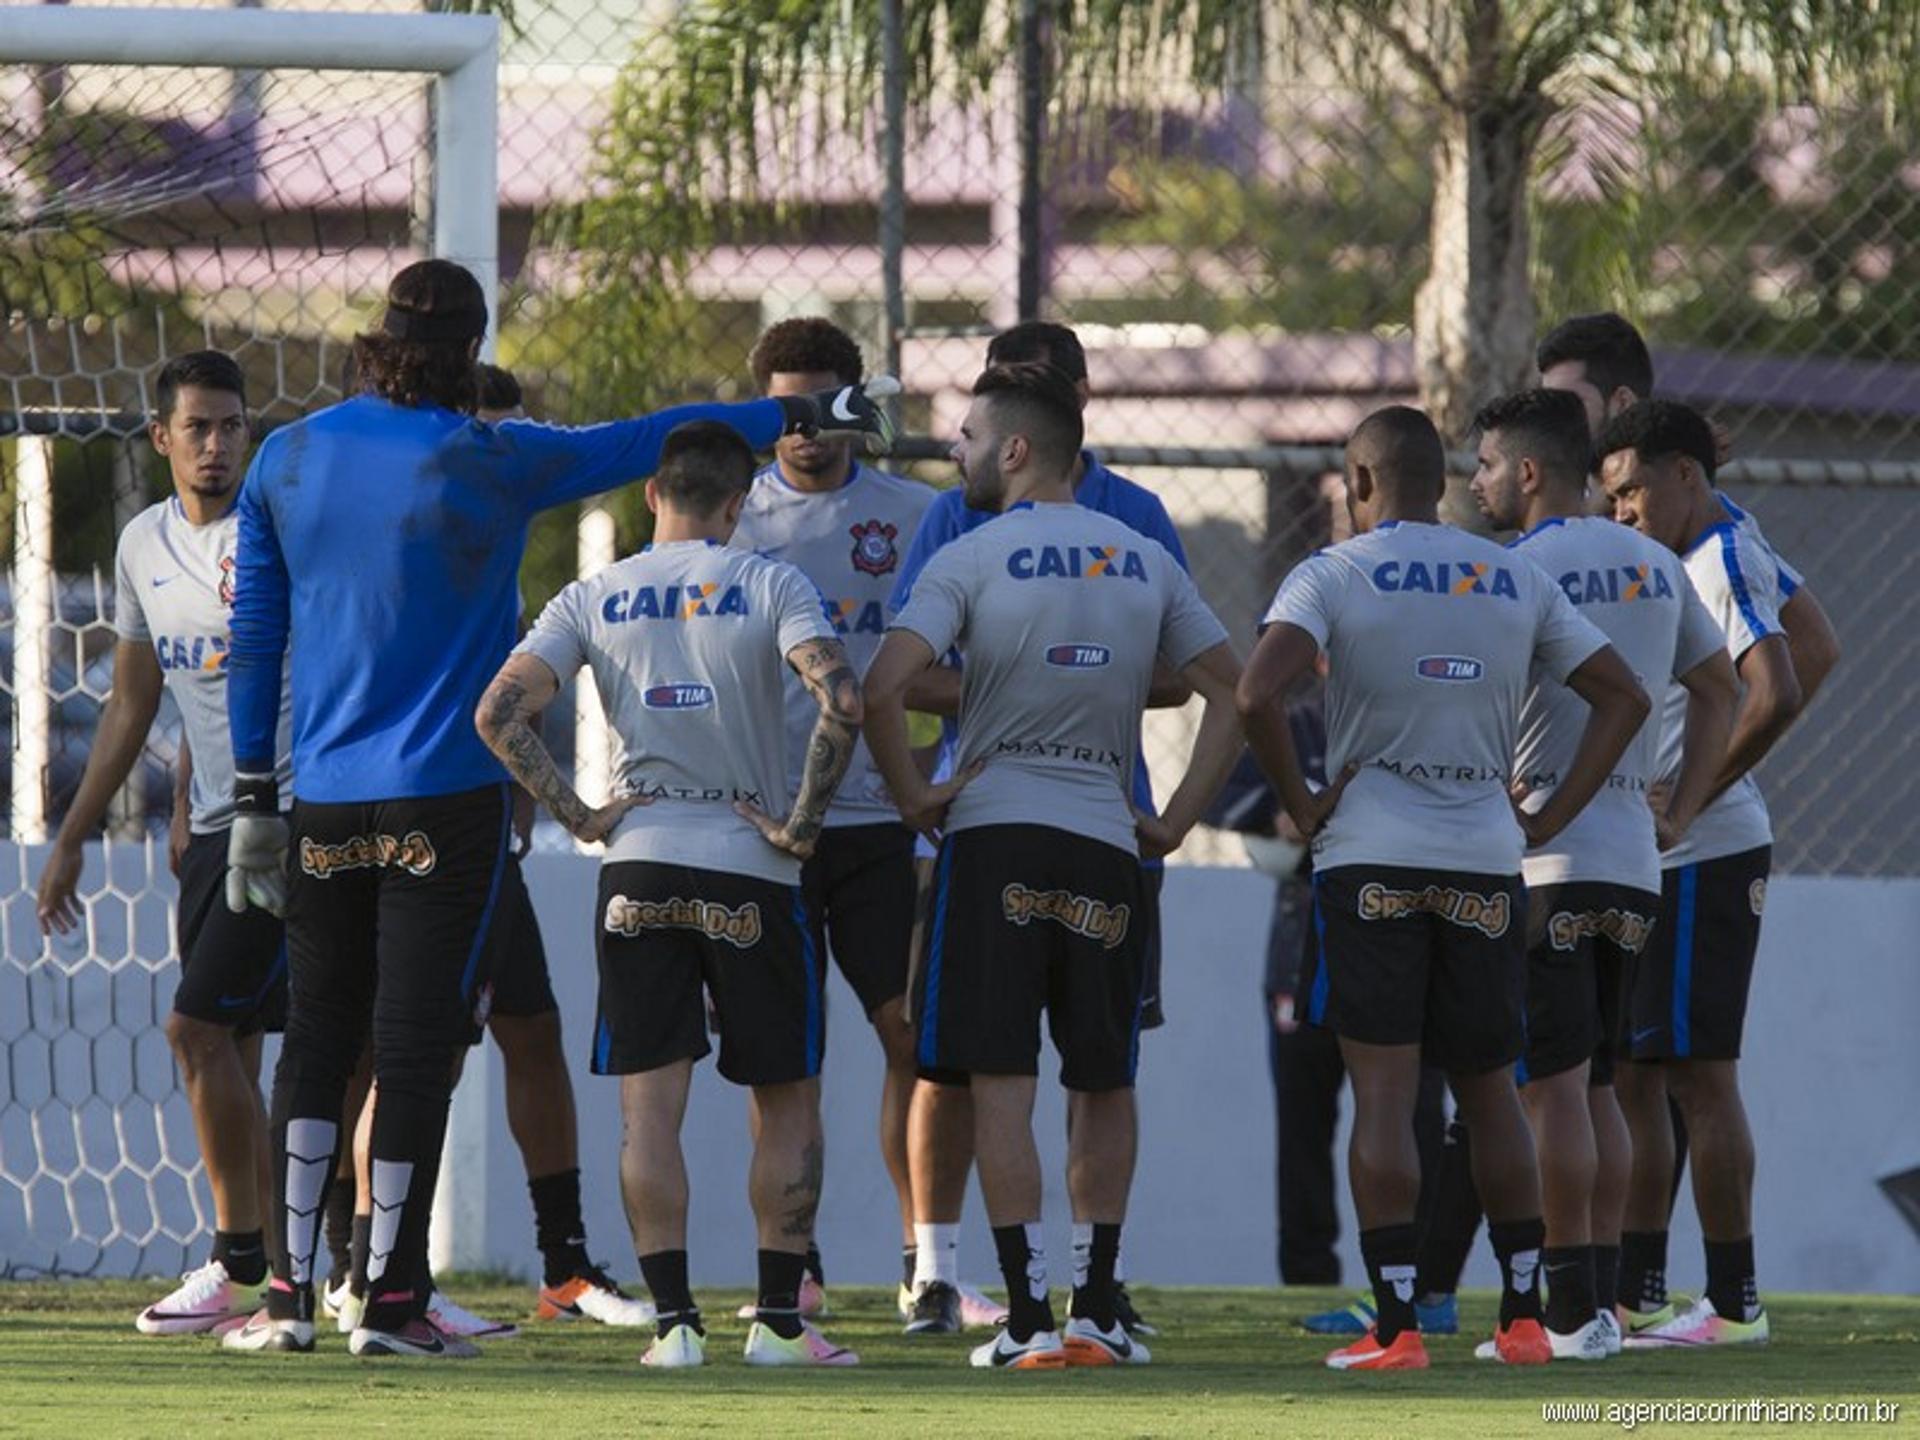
(157, 433)
(1013, 452)
(653, 497)
(736, 502)
(1360, 481)
(1621, 399)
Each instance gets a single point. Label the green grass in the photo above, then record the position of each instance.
(1229, 1362)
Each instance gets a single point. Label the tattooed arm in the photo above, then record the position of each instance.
(823, 667)
(524, 687)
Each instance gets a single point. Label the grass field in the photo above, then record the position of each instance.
(1229, 1362)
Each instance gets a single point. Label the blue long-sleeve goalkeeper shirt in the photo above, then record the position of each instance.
(384, 543)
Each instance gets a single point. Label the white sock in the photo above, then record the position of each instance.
(1082, 1253)
(1036, 1263)
(1119, 1267)
(936, 1254)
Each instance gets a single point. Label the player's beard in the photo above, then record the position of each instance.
(983, 486)
(208, 489)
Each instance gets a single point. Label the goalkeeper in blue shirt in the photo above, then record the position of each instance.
(381, 539)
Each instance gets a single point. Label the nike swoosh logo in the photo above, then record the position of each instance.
(840, 409)
(160, 580)
(1640, 1035)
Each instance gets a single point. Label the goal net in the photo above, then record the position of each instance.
(146, 210)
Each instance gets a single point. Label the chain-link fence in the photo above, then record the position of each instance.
(1244, 261)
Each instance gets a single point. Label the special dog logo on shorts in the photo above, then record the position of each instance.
(1566, 928)
(1757, 895)
(739, 928)
(412, 852)
(1489, 914)
(1079, 913)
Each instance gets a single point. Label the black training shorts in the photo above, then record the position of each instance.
(860, 886)
(1690, 987)
(233, 968)
(1582, 938)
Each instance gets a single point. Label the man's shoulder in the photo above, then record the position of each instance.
(1127, 501)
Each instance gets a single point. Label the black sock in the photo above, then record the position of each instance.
(1731, 1283)
(1389, 1253)
(358, 1247)
(1097, 1299)
(665, 1273)
(1023, 1265)
(289, 1302)
(814, 1267)
(1569, 1275)
(1516, 1244)
(557, 1227)
(779, 1305)
(339, 1230)
(1606, 1277)
(244, 1253)
(1448, 1237)
(1643, 1269)
(909, 1262)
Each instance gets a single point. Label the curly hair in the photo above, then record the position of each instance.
(1548, 425)
(424, 352)
(1656, 429)
(806, 344)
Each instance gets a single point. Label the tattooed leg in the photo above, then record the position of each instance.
(789, 1165)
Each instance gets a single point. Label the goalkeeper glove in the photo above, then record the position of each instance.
(847, 412)
(257, 847)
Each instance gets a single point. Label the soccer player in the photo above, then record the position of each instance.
(1430, 633)
(941, 1121)
(688, 643)
(525, 1024)
(1593, 891)
(1689, 999)
(385, 535)
(173, 593)
(1059, 614)
(845, 525)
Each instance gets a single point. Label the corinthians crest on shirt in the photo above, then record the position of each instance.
(874, 552)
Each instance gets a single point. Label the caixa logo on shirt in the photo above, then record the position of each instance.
(1457, 668)
(1078, 656)
(191, 652)
(854, 617)
(678, 696)
(673, 602)
(1444, 577)
(1076, 562)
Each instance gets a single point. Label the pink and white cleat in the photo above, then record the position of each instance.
(1700, 1324)
(206, 1300)
(810, 1347)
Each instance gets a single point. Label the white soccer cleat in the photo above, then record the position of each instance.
(592, 1295)
(681, 1348)
(205, 1300)
(1701, 1325)
(452, 1319)
(1610, 1328)
(1088, 1345)
(418, 1339)
(1589, 1342)
(979, 1311)
(1040, 1351)
(263, 1333)
(809, 1347)
(343, 1306)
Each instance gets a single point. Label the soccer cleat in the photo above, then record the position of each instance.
(1524, 1342)
(813, 1302)
(936, 1310)
(683, 1347)
(205, 1300)
(1407, 1352)
(1088, 1345)
(1440, 1318)
(418, 1339)
(1130, 1319)
(451, 1319)
(979, 1311)
(590, 1294)
(344, 1307)
(903, 1301)
(809, 1347)
(1702, 1325)
(1041, 1350)
(1632, 1322)
(262, 1332)
(1589, 1342)
(1354, 1319)
(1610, 1330)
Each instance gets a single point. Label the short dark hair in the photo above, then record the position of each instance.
(498, 388)
(1547, 426)
(806, 344)
(703, 464)
(1046, 340)
(1039, 402)
(422, 351)
(1656, 429)
(1400, 445)
(204, 369)
(1607, 347)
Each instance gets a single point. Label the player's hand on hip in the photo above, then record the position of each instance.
(257, 864)
(796, 840)
(1535, 828)
(1322, 803)
(179, 834)
(1668, 829)
(523, 807)
(846, 412)
(1155, 836)
(600, 823)
(926, 810)
(57, 909)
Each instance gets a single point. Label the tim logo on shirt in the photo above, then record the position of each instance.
(1444, 577)
(873, 547)
(673, 602)
(1076, 562)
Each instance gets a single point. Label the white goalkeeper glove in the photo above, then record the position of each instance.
(847, 412)
(257, 848)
